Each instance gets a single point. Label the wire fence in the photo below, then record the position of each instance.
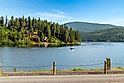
(61, 66)
(49, 67)
(107, 67)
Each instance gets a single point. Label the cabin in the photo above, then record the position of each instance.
(35, 33)
(35, 37)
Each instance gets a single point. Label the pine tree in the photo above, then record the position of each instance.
(30, 28)
(11, 23)
(72, 35)
(23, 21)
(66, 34)
(2, 21)
(77, 36)
(16, 24)
(48, 31)
(6, 21)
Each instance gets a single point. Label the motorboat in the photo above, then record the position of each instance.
(71, 48)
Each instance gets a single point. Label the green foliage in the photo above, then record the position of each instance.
(14, 69)
(94, 32)
(55, 40)
(90, 27)
(2, 21)
(119, 67)
(111, 35)
(27, 32)
(77, 69)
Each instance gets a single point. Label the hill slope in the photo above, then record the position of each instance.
(90, 27)
(111, 35)
(98, 32)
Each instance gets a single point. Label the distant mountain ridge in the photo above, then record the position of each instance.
(90, 27)
(111, 35)
(94, 32)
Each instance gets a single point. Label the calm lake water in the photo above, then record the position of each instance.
(87, 55)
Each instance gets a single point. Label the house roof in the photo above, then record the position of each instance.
(35, 33)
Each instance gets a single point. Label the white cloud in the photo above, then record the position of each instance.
(55, 16)
(50, 15)
(62, 17)
(58, 11)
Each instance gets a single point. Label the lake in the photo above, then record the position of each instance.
(87, 55)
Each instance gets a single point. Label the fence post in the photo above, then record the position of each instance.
(108, 61)
(54, 68)
(0, 69)
(105, 67)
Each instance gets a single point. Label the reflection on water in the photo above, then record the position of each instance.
(98, 44)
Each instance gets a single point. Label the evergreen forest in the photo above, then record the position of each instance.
(30, 32)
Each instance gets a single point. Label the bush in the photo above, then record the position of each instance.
(55, 40)
(76, 69)
(14, 69)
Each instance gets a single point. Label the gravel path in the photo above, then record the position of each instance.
(115, 78)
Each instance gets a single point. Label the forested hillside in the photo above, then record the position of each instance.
(94, 32)
(90, 27)
(26, 32)
(108, 35)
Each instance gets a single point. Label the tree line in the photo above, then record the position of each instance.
(107, 35)
(21, 31)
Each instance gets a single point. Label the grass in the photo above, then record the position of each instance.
(64, 70)
(118, 68)
(73, 71)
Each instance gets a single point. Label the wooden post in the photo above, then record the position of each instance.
(0, 69)
(110, 65)
(108, 61)
(105, 67)
(54, 68)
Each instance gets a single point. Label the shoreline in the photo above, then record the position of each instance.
(42, 44)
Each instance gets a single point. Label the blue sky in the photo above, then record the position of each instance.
(97, 11)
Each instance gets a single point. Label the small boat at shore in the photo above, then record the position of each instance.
(71, 48)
